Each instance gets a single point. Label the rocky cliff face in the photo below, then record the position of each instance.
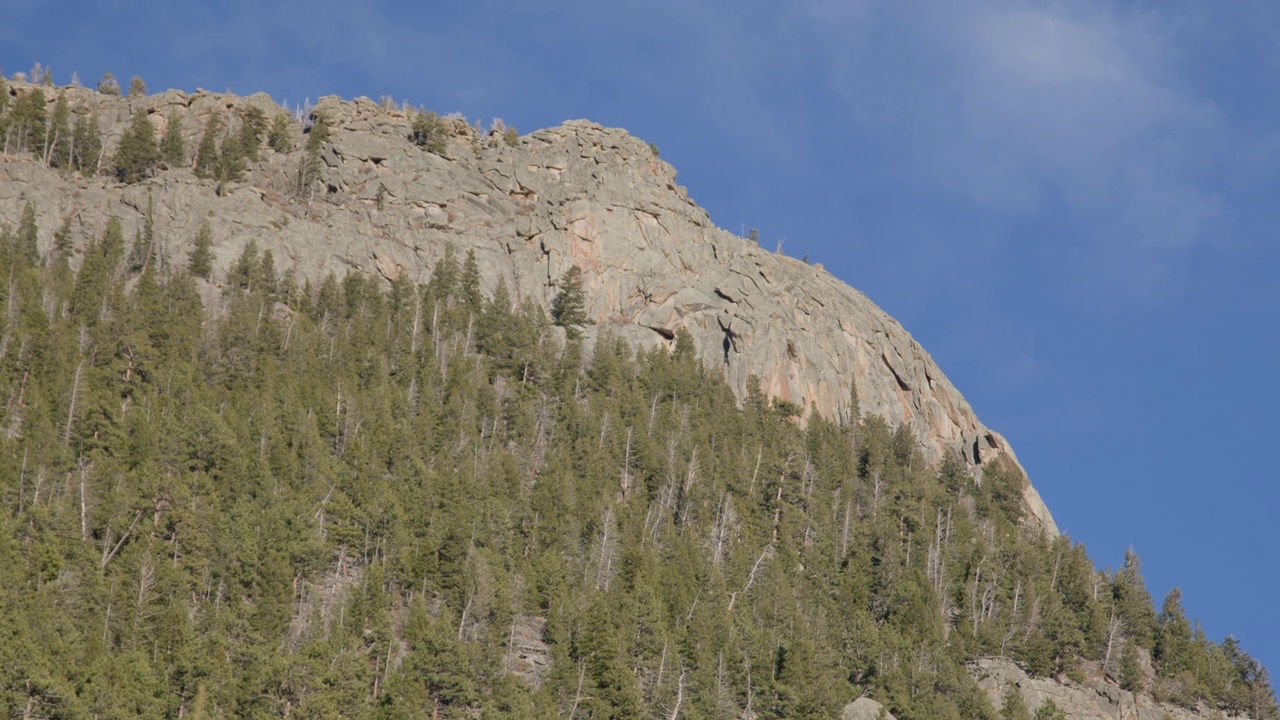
(574, 194)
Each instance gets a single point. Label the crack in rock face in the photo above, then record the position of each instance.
(578, 194)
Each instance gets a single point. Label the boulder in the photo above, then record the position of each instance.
(865, 708)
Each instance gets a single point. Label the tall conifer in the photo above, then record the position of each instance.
(58, 142)
(173, 148)
(138, 152)
(86, 145)
(569, 306)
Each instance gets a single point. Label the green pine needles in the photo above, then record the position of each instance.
(430, 132)
(569, 306)
(138, 152)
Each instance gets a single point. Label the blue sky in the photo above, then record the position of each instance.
(1072, 206)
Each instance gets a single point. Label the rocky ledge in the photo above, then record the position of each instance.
(1094, 698)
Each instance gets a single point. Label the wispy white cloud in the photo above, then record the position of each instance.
(1024, 109)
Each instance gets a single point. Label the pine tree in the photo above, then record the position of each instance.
(253, 124)
(59, 262)
(207, 152)
(429, 132)
(1130, 672)
(472, 301)
(568, 307)
(243, 275)
(27, 238)
(266, 281)
(278, 135)
(440, 671)
(1049, 710)
(27, 123)
(137, 88)
(231, 157)
(201, 262)
(1134, 603)
(86, 145)
(1173, 642)
(494, 326)
(444, 276)
(138, 152)
(318, 132)
(58, 142)
(144, 250)
(1012, 706)
(173, 148)
(309, 164)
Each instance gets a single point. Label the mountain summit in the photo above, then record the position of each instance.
(370, 199)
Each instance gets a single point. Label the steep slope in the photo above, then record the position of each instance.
(578, 194)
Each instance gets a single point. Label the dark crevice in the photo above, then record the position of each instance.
(663, 332)
(901, 383)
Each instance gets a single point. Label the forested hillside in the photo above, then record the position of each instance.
(355, 500)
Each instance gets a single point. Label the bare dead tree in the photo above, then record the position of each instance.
(626, 466)
(675, 711)
(577, 695)
(720, 531)
(84, 502)
(751, 578)
(107, 555)
(68, 427)
(608, 549)
(1115, 629)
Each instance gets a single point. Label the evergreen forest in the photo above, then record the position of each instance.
(269, 497)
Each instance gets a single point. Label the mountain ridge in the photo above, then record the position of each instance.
(576, 194)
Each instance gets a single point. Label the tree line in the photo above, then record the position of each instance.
(70, 138)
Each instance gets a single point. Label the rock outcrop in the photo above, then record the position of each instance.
(1093, 699)
(527, 653)
(577, 194)
(865, 708)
